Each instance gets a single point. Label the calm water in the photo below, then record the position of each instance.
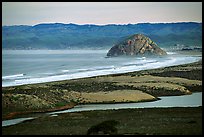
(192, 100)
(21, 67)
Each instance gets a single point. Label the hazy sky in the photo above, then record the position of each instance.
(101, 13)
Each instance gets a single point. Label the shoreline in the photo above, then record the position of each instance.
(105, 75)
(58, 95)
(78, 75)
(14, 114)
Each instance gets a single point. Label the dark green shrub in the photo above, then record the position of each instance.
(105, 127)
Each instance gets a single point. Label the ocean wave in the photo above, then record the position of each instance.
(140, 63)
(13, 76)
(102, 67)
(88, 69)
(141, 58)
(65, 70)
(171, 53)
(99, 71)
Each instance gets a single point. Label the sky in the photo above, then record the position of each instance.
(99, 13)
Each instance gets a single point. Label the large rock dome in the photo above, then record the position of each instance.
(137, 44)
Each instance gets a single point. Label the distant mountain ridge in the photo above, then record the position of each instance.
(70, 36)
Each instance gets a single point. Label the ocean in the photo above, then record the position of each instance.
(20, 67)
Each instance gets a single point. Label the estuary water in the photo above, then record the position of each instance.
(193, 100)
(21, 67)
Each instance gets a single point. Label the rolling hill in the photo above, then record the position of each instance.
(73, 36)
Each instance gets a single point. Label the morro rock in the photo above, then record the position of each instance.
(137, 44)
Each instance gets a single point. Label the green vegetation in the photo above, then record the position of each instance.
(90, 86)
(71, 36)
(140, 121)
(60, 104)
(106, 127)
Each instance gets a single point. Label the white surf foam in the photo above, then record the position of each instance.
(13, 76)
(104, 70)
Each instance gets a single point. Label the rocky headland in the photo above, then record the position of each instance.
(137, 44)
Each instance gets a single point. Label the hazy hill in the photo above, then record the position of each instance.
(65, 36)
